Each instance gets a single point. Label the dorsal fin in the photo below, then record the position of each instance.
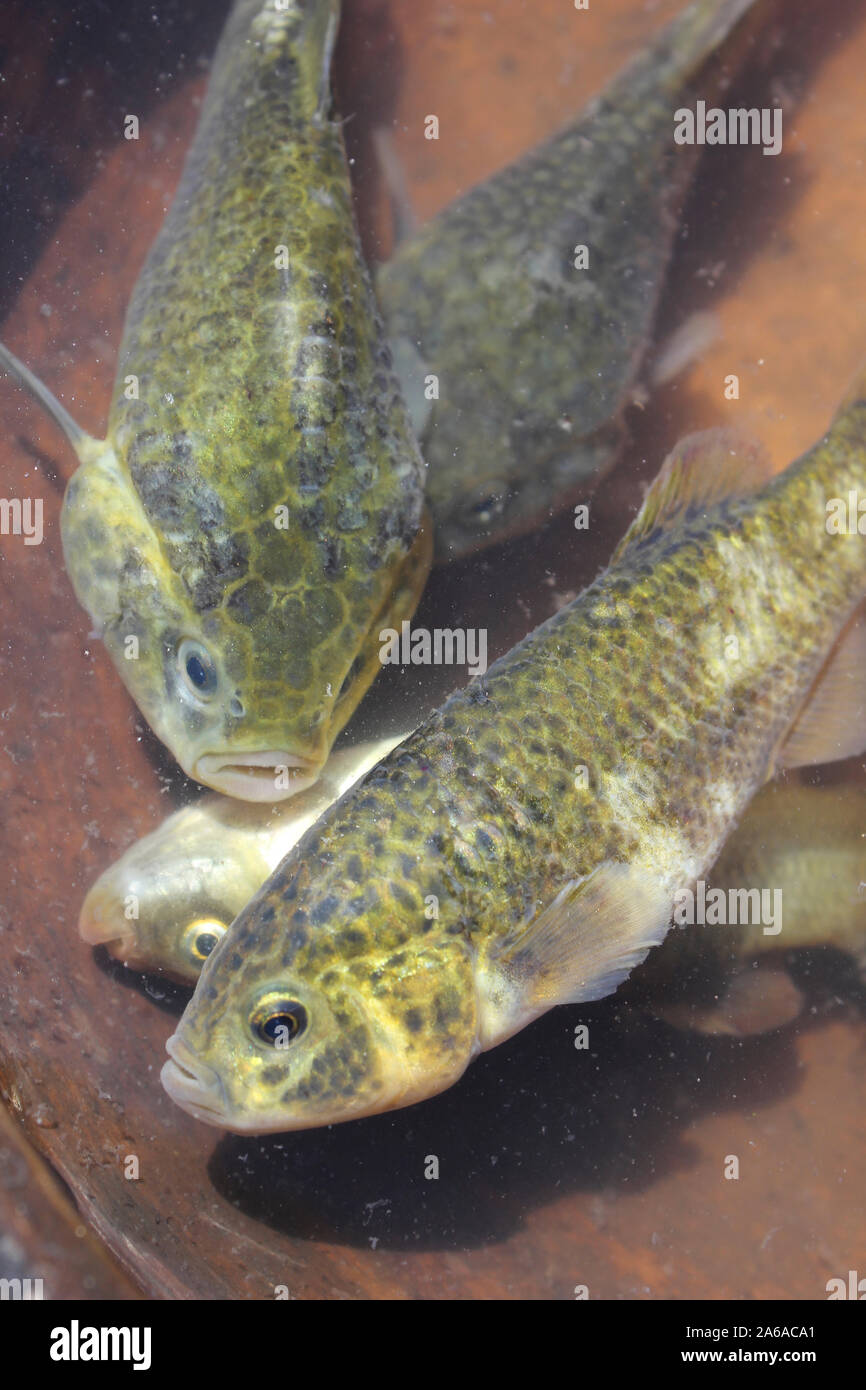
(700, 471)
(83, 443)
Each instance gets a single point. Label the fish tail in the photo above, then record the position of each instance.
(83, 443)
(726, 28)
(299, 38)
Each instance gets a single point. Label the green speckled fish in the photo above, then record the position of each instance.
(523, 848)
(254, 516)
(167, 901)
(536, 359)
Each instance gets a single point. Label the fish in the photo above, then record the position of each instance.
(524, 847)
(806, 847)
(520, 315)
(167, 901)
(255, 514)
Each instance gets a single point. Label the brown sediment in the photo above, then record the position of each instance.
(557, 1167)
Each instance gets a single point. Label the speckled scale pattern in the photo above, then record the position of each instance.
(263, 387)
(478, 809)
(536, 359)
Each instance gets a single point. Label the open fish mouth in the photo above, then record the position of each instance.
(270, 775)
(193, 1085)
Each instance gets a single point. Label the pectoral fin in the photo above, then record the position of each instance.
(832, 721)
(581, 946)
(84, 444)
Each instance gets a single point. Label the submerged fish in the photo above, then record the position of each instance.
(532, 298)
(168, 900)
(523, 848)
(251, 520)
(800, 854)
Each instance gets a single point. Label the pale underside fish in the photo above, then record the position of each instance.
(524, 847)
(799, 854)
(253, 517)
(520, 315)
(168, 900)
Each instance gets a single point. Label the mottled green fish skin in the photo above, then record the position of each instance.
(191, 877)
(536, 360)
(481, 814)
(808, 844)
(259, 387)
(166, 901)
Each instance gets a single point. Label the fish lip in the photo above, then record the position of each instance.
(193, 1085)
(234, 772)
(100, 929)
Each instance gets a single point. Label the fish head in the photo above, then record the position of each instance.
(244, 651)
(167, 902)
(293, 1026)
(498, 496)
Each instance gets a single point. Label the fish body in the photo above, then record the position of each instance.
(254, 516)
(523, 847)
(164, 904)
(168, 900)
(537, 354)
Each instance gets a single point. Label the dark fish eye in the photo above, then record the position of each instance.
(202, 936)
(486, 508)
(279, 1021)
(197, 668)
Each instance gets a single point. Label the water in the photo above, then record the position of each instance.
(557, 1167)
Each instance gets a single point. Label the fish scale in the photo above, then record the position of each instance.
(558, 902)
(537, 358)
(254, 516)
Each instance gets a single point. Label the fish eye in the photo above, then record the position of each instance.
(486, 508)
(278, 1021)
(202, 935)
(197, 668)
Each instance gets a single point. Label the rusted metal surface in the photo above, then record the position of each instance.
(557, 1167)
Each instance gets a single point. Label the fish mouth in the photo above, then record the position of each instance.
(254, 775)
(98, 924)
(193, 1085)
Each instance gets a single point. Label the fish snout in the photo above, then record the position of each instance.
(101, 922)
(192, 1084)
(268, 775)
